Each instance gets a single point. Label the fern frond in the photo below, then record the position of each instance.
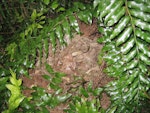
(67, 24)
(127, 53)
(34, 41)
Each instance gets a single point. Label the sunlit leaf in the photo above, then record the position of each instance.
(54, 4)
(60, 34)
(112, 110)
(46, 1)
(34, 14)
(63, 97)
(74, 23)
(49, 69)
(124, 36)
(119, 27)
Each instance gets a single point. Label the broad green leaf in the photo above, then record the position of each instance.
(115, 7)
(59, 75)
(143, 68)
(14, 90)
(84, 92)
(116, 92)
(130, 55)
(97, 91)
(39, 26)
(45, 110)
(143, 35)
(117, 16)
(85, 16)
(41, 22)
(54, 86)
(140, 6)
(100, 9)
(42, 18)
(132, 77)
(108, 47)
(11, 48)
(19, 82)
(144, 80)
(79, 5)
(132, 94)
(34, 15)
(49, 68)
(46, 1)
(106, 8)
(60, 34)
(131, 64)
(46, 47)
(100, 59)
(54, 4)
(134, 85)
(53, 40)
(58, 91)
(110, 87)
(101, 40)
(128, 46)
(13, 81)
(112, 58)
(66, 28)
(17, 102)
(96, 3)
(3, 80)
(47, 77)
(112, 110)
(56, 80)
(63, 97)
(141, 15)
(44, 98)
(143, 48)
(60, 9)
(124, 36)
(74, 23)
(144, 58)
(119, 27)
(141, 24)
(115, 97)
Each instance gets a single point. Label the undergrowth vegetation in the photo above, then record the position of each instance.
(29, 27)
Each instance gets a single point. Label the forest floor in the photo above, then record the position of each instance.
(78, 58)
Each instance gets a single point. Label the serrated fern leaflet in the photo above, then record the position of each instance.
(126, 30)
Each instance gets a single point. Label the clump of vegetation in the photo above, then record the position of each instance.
(28, 27)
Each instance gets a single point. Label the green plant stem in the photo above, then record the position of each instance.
(135, 39)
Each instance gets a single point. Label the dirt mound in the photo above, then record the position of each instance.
(79, 58)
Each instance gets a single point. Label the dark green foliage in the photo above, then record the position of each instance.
(82, 102)
(40, 100)
(4, 93)
(34, 40)
(29, 27)
(83, 106)
(126, 32)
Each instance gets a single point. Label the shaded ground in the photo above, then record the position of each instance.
(79, 58)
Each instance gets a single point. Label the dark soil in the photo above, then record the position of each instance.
(79, 58)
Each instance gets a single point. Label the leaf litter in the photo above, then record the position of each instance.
(79, 59)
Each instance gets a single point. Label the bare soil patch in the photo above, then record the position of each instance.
(78, 59)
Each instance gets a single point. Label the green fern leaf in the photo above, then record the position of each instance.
(129, 58)
(59, 34)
